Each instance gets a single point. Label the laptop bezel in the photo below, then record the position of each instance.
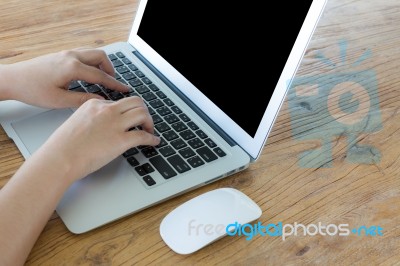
(252, 145)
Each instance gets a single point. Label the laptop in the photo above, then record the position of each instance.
(214, 78)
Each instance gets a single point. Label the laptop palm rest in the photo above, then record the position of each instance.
(35, 130)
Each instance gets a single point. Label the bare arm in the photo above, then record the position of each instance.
(30, 197)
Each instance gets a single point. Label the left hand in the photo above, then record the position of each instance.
(43, 81)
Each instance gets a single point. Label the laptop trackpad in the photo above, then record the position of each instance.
(35, 130)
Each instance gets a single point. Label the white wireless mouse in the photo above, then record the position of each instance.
(203, 219)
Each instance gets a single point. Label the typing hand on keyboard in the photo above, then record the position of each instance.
(43, 81)
(99, 131)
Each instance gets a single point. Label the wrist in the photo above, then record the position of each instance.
(56, 168)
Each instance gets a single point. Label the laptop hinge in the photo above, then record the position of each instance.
(211, 123)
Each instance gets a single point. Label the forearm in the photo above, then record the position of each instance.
(5, 82)
(26, 203)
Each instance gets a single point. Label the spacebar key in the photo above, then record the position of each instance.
(162, 166)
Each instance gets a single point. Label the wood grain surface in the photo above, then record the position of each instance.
(313, 169)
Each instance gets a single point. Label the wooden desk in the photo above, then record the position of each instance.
(356, 193)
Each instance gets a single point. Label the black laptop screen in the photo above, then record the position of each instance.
(232, 51)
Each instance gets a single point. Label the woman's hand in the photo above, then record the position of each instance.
(97, 133)
(43, 81)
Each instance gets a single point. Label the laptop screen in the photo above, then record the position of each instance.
(233, 60)
(233, 52)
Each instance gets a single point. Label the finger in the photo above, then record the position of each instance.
(138, 117)
(129, 103)
(66, 99)
(97, 76)
(141, 137)
(97, 58)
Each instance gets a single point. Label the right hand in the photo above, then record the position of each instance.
(98, 132)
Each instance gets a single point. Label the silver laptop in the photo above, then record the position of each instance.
(214, 78)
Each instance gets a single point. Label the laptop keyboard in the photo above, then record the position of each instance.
(184, 146)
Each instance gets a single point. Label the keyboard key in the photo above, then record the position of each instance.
(120, 54)
(167, 151)
(149, 152)
(153, 87)
(178, 144)
(219, 151)
(201, 134)
(130, 152)
(187, 134)
(135, 83)
(146, 81)
(132, 67)
(171, 118)
(163, 111)
(122, 69)
(148, 168)
(156, 103)
(161, 94)
(149, 96)
(132, 161)
(149, 180)
(195, 161)
(176, 109)
(170, 135)
(168, 102)
(195, 143)
(129, 76)
(186, 152)
(151, 111)
(116, 75)
(207, 154)
(210, 143)
(139, 74)
(184, 117)
(142, 89)
(179, 126)
(140, 170)
(112, 57)
(162, 166)
(178, 163)
(192, 125)
(115, 95)
(156, 119)
(126, 61)
(162, 127)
